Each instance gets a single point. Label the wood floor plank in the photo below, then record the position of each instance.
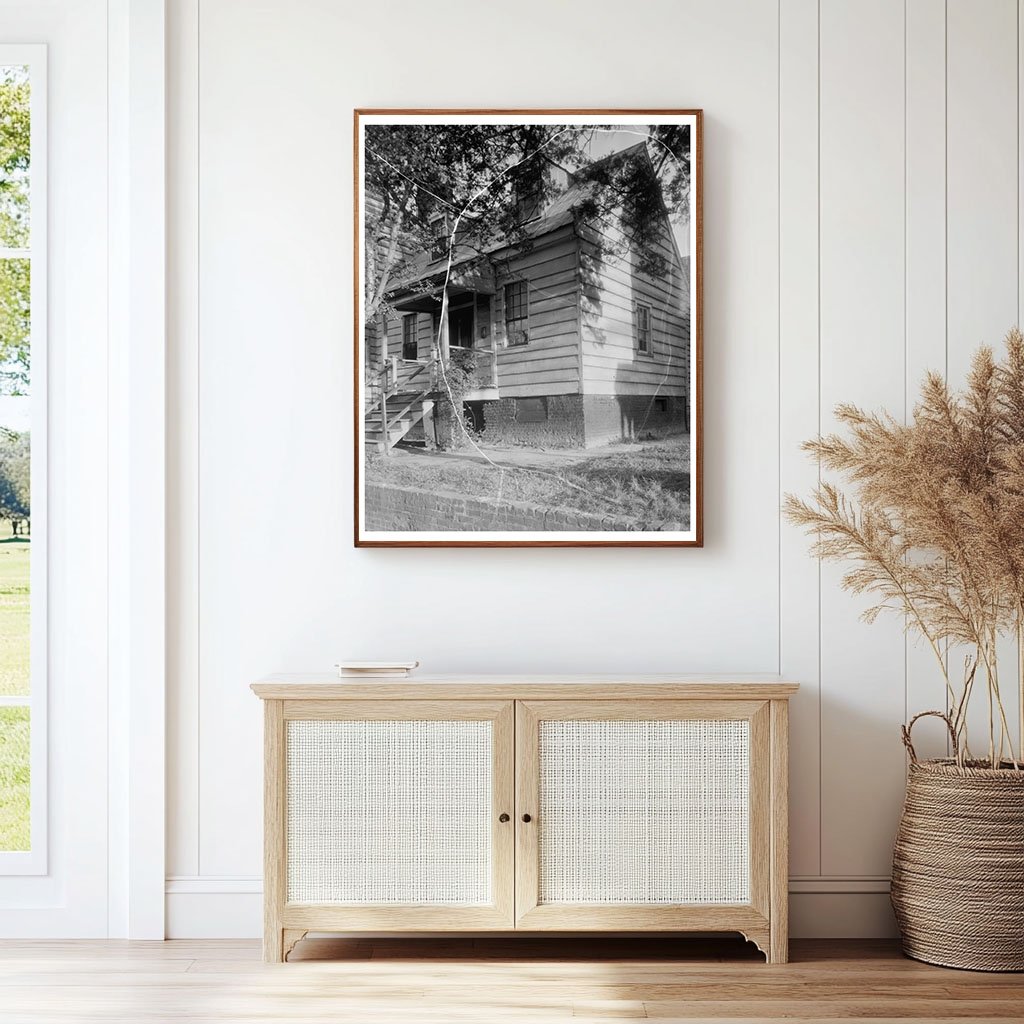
(540, 980)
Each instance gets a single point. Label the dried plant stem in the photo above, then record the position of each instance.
(960, 720)
(995, 701)
(924, 631)
(936, 527)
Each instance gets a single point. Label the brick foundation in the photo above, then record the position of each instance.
(506, 422)
(570, 421)
(410, 508)
(636, 417)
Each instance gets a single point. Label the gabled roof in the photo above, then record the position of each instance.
(560, 213)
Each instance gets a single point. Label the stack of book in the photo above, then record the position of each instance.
(375, 669)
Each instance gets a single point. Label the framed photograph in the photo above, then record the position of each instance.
(527, 328)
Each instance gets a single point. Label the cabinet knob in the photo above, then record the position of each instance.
(503, 818)
(527, 818)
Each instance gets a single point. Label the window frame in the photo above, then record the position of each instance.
(524, 319)
(34, 861)
(410, 319)
(648, 352)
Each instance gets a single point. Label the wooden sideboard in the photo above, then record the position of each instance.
(516, 803)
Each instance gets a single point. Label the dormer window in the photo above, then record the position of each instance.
(440, 232)
(527, 205)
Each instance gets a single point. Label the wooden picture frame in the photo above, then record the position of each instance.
(567, 435)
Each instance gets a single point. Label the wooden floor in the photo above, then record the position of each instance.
(487, 980)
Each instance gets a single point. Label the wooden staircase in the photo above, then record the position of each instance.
(404, 411)
(407, 400)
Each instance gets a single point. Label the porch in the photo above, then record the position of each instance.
(465, 323)
(400, 391)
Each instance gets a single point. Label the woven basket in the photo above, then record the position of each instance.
(958, 864)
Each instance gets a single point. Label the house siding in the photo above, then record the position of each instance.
(549, 363)
(609, 289)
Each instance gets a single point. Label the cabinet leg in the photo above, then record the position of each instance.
(778, 953)
(760, 937)
(273, 944)
(279, 942)
(289, 938)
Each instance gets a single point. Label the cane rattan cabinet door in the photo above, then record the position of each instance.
(396, 814)
(642, 815)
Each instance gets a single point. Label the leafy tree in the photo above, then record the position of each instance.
(634, 190)
(420, 179)
(15, 479)
(15, 326)
(15, 139)
(15, 276)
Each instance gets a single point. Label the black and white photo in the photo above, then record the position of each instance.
(528, 328)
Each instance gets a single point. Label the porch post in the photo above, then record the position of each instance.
(444, 327)
(383, 341)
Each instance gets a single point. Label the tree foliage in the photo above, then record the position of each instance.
(15, 274)
(15, 478)
(487, 181)
(15, 138)
(15, 325)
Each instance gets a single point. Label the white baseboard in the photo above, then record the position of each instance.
(216, 907)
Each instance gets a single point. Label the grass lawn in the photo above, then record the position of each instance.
(14, 778)
(14, 615)
(14, 681)
(649, 484)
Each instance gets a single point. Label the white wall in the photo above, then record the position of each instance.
(102, 750)
(851, 240)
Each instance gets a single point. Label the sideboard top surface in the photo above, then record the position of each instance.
(664, 686)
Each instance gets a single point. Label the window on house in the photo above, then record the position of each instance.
(661, 405)
(22, 448)
(409, 345)
(440, 236)
(517, 312)
(642, 328)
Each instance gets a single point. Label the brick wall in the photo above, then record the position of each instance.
(563, 427)
(577, 421)
(410, 508)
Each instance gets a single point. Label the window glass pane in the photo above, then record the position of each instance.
(409, 346)
(643, 328)
(515, 301)
(14, 779)
(14, 157)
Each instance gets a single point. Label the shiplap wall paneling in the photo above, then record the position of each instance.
(799, 588)
(982, 223)
(925, 283)
(862, 360)
(280, 586)
(183, 538)
(263, 418)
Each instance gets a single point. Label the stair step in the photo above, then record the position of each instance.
(412, 404)
(404, 425)
(401, 401)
